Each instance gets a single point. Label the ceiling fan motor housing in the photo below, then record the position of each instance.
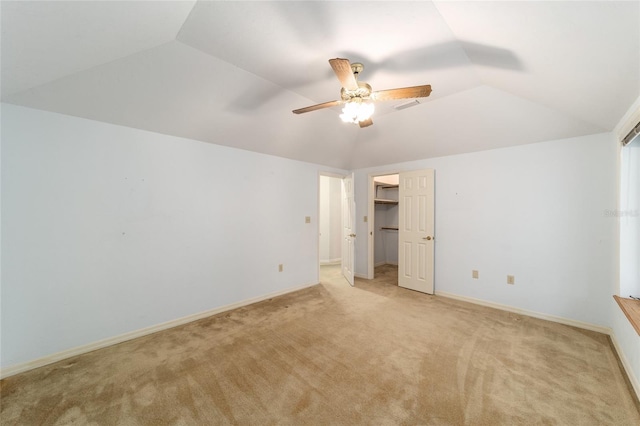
(362, 92)
(357, 68)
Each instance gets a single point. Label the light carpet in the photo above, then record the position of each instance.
(331, 354)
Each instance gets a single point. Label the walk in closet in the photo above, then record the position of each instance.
(386, 220)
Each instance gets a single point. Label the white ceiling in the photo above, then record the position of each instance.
(502, 73)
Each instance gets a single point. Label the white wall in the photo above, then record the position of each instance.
(330, 219)
(380, 240)
(335, 230)
(534, 211)
(108, 229)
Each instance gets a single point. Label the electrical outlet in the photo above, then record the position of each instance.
(307, 219)
(280, 267)
(474, 274)
(511, 279)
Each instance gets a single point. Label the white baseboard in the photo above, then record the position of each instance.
(79, 350)
(625, 363)
(331, 261)
(363, 276)
(540, 315)
(384, 262)
(566, 321)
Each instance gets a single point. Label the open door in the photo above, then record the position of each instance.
(416, 231)
(348, 228)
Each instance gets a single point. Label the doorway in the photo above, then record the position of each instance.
(336, 223)
(330, 220)
(402, 225)
(385, 221)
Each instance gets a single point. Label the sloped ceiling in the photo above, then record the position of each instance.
(230, 73)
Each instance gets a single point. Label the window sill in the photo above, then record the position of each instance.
(631, 309)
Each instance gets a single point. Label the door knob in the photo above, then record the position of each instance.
(428, 238)
(352, 235)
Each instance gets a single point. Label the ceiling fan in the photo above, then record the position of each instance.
(358, 97)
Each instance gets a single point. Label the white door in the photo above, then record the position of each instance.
(348, 228)
(416, 231)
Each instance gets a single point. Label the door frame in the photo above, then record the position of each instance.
(371, 214)
(331, 175)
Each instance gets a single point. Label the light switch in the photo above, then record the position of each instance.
(307, 219)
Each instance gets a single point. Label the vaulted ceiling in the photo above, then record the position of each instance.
(230, 73)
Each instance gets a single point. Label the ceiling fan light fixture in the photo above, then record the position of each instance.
(357, 111)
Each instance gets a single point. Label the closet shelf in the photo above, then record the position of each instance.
(384, 201)
(391, 228)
